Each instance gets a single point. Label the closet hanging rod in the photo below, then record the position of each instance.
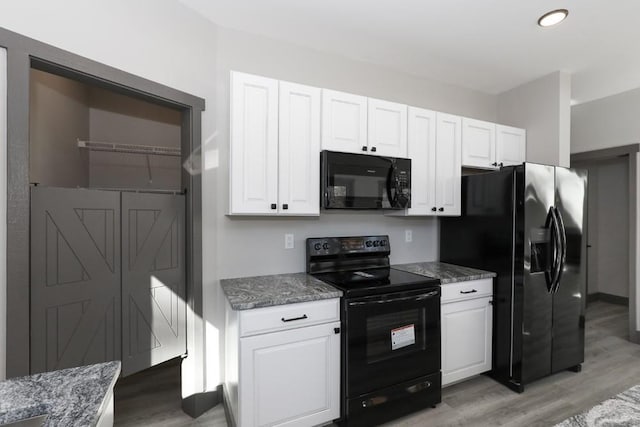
(129, 148)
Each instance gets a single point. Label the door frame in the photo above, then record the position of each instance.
(24, 53)
(632, 155)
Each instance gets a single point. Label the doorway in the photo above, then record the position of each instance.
(612, 227)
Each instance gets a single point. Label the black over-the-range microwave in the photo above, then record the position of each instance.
(362, 181)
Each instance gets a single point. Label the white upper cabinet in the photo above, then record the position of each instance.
(387, 128)
(478, 143)
(299, 148)
(511, 145)
(449, 167)
(344, 122)
(254, 144)
(422, 152)
(487, 145)
(275, 147)
(434, 147)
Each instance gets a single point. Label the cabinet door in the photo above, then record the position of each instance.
(254, 145)
(422, 152)
(467, 327)
(448, 168)
(299, 150)
(387, 130)
(478, 144)
(344, 122)
(290, 378)
(511, 145)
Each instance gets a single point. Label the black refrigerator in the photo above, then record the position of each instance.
(527, 223)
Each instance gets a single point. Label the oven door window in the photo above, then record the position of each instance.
(391, 338)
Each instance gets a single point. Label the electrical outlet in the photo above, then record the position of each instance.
(288, 241)
(408, 236)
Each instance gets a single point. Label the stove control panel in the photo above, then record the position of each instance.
(317, 246)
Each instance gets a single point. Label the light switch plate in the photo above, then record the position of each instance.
(288, 241)
(408, 236)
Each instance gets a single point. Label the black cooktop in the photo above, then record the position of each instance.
(376, 281)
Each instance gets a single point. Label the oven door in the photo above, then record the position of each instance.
(391, 338)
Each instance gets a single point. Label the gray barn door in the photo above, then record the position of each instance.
(75, 277)
(153, 279)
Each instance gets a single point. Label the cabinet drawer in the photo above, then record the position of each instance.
(466, 290)
(289, 316)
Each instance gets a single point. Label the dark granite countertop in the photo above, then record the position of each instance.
(70, 397)
(447, 273)
(263, 291)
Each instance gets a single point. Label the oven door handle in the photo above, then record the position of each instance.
(419, 297)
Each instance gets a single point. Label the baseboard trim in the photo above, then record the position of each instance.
(231, 422)
(199, 403)
(613, 299)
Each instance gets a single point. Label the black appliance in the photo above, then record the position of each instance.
(391, 329)
(527, 223)
(361, 181)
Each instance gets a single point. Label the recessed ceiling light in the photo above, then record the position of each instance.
(552, 18)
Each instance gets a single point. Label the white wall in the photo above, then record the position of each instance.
(605, 123)
(3, 213)
(543, 108)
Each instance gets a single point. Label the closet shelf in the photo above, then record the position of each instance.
(130, 149)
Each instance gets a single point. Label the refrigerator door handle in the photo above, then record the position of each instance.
(563, 248)
(554, 227)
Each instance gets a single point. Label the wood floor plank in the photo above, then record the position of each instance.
(612, 365)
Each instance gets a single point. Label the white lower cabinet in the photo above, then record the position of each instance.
(467, 327)
(290, 377)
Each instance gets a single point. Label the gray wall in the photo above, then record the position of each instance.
(121, 119)
(609, 227)
(543, 108)
(59, 115)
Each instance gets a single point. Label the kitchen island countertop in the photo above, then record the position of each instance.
(447, 273)
(246, 293)
(69, 397)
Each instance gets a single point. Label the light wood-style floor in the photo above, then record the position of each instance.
(612, 365)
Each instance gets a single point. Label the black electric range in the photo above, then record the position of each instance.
(391, 329)
(375, 281)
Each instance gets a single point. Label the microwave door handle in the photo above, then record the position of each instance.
(419, 297)
(393, 185)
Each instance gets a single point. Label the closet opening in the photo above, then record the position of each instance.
(108, 227)
(86, 136)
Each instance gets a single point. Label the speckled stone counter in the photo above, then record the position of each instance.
(447, 273)
(70, 397)
(264, 291)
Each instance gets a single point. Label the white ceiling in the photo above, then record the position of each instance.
(487, 45)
